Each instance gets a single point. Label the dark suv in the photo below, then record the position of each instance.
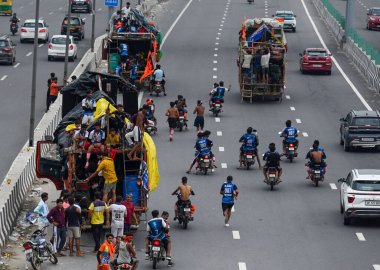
(360, 129)
(81, 6)
(76, 27)
(7, 50)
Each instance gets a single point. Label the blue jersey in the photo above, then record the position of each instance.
(249, 142)
(156, 228)
(290, 134)
(133, 71)
(118, 70)
(228, 192)
(220, 92)
(203, 146)
(123, 49)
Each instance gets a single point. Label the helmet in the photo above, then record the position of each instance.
(149, 101)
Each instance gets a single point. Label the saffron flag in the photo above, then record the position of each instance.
(148, 68)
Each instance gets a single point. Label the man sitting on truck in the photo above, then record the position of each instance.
(97, 138)
(81, 136)
(88, 107)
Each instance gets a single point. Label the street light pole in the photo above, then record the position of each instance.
(34, 77)
(93, 27)
(65, 79)
(350, 13)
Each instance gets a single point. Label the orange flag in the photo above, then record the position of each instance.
(148, 68)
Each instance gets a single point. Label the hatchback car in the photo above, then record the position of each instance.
(81, 6)
(27, 30)
(76, 27)
(7, 50)
(360, 195)
(290, 22)
(360, 129)
(57, 48)
(373, 18)
(315, 59)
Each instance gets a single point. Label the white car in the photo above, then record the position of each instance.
(360, 195)
(27, 30)
(290, 22)
(57, 48)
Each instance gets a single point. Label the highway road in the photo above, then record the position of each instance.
(361, 7)
(15, 81)
(295, 227)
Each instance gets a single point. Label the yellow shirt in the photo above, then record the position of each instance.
(98, 208)
(113, 139)
(107, 166)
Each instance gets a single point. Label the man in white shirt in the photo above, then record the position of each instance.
(125, 10)
(118, 212)
(265, 65)
(42, 210)
(88, 108)
(159, 75)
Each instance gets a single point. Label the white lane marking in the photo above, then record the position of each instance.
(214, 69)
(292, 108)
(242, 266)
(233, 209)
(219, 33)
(287, 97)
(305, 134)
(21, 7)
(215, 77)
(217, 119)
(15, 66)
(376, 266)
(60, 8)
(99, 9)
(215, 55)
(224, 17)
(333, 186)
(219, 133)
(29, 54)
(215, 62)
(353, 87)
(50, 13)
(84, 19)
(235, 235)
(220, 29)
(215, 49)
(223, 165)
(221, 25)
(222, 21)
(221, 149)
(39, 46)
(360, 236)
(216, 43)
(298, 121)
(4, 77)
(175, 22)
(217, 38)
(266, 12)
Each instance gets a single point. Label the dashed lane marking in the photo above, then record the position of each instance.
(219, 33)
(333, 186)
(305, 134)
(287, 97)
(223, 165)
(235, 235)
(292, 108)
(215, 55)
(39, 46)
(99, 9)
(298, 121)
(360, 236)
(214, 69)
(215, 77)
(29, 54)
(60, 8)
(216, 43)
(215, 62)
(215, 49)
(222, 21)
(51, 13)
(219, 133)
(21, 7)
(221, 149)
(242, 266)
(15, 66)
(217, 38)
(84, 19)
(221, 25)
(217, 119)
(220, 29)
(4, 77)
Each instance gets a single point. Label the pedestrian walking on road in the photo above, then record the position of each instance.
(172, 114)
(96, 213)
(118, 213)
(230, 192)
(73, 219)
(42, 211)
(199, 121)
(49, 81)
(57, 217)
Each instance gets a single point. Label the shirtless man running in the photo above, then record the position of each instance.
(138, 131)
(199, 121)
(172, 114)
(185, 191)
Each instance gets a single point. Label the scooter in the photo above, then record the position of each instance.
(248, 158)
(216, 107)
(14, 28)
(272, 176)
(184, 212)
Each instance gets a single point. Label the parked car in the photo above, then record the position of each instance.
(7, 50)
(360, 195)
(81, 6)
(315, 59)
(360, 129)
(27, 30)
(57, 48)
(373, 18)
(290, 22)
(76, 27)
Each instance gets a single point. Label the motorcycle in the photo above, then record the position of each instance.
(38, 250)
(156, 252)
(14, 28)
(204, 164)
(290, 151)
(151, 128)
(157, 88)
(184, 213)
(216, 107)
(248, 158)
(272, 176)
(316, 174)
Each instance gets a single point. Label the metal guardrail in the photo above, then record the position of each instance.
(358, 53)
(20, 176)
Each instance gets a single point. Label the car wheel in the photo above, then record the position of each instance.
(346, 146)
(341, 140)
(346, 220)
(80, 37)
(369, 28)
(294, 30)
(341, 208)
(303, 71)
(21, 40)
(329, 72)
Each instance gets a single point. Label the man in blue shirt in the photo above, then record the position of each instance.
(250, 142)
(123, 50)
(218, 93)
(133, 73)
(289, 133)
(119, 69)
(203, 147)
(230, 192)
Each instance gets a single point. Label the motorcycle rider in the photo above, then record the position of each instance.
(218, 93)
(15, 20)
(156, 228)
(250, 142)
(316, 156)
(126, 254)
(290, 134)
(185, 191)
(150, 112)
(203, 147)
(159, 76)
(272, 158)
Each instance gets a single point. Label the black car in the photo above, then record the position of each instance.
(81, 6)
(76, 27)
(360, 129)
(7, 50)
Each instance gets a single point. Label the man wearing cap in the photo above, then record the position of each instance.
(199, 121)
(230, 192)
(107, 166)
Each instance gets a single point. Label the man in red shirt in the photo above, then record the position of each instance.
(54, 91)
(130, 213)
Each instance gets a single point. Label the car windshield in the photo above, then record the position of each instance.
(366, 121)
(317, 53)
(366, 185)
(73, 21)
(376, 11)
(3, 43)
(31, 25)
(59, 40)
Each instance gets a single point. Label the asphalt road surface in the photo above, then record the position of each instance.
(361, 7)
(295, 227)
(15, 81)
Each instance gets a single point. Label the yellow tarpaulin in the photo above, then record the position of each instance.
(101, 107)
(151, 160)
